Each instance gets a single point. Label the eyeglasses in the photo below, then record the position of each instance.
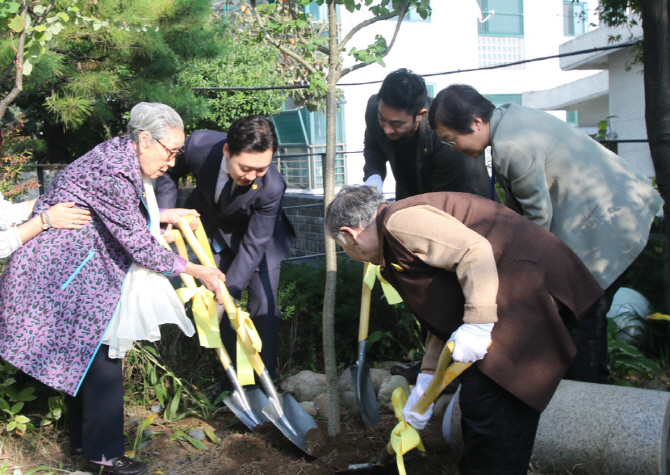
(451, 143)
(171, 153)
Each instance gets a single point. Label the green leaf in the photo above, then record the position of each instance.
(212, 436)
(22, 419)
(626, 348)
(11, 426)
(4, 405)
(39, 10)
(40, 28)
(17, 24)
(650, 365)
(350, 5)
(8, 8)
(27, 393)
(195, 443)
(64, 16)
(151, 350)
(16, 408)
(27, 67)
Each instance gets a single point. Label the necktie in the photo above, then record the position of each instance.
(225, 194)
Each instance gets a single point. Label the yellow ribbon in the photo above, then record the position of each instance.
(204, 313)
(374, 272)
(404, 437)
(248, 343)
(658, 316)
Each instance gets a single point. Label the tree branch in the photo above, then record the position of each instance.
(369, 22)
(277, 44)
(401, 16)
(78, 55)
(18, 84)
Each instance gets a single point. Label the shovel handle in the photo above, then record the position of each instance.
(366, 296)
(445, 373)
(228, 302)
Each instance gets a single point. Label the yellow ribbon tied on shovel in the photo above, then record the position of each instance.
(373, 272)
(404, 437)
(248, 340)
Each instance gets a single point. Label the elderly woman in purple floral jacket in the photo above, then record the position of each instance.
(60, 291)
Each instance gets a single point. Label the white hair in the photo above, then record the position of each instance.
(153, 117)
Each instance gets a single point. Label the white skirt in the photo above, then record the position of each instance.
(147, 301)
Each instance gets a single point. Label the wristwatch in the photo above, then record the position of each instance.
(46, 222)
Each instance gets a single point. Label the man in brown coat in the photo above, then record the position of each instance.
(476, 273)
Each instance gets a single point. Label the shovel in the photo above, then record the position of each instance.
(445, 373)
(246, 404)
(360, 374)
(284, 412)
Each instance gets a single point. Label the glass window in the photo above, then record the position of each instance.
(494, 50)
(506, 17)
(572, 118)
(430, 87)
(500, 99)
(574, 18)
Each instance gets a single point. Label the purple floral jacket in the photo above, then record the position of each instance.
(59, 292)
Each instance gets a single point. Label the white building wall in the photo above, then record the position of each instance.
(449, 43)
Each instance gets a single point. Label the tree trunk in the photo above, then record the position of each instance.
(18, 83)
(331, 256)
(656, 48)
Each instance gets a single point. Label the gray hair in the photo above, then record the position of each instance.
(153, 117)
(355, 207)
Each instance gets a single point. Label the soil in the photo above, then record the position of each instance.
(267, 451)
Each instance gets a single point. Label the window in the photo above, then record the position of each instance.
(430, 87)
(506, 17)
(574, 18)
(500, 99)
(302, 140)
(572, 118)
(501, 34)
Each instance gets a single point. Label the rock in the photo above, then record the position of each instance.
(197, 434)
(441, 405)
(387, 365)
(148, 432)
(132, 420)
(309, 408)
(656, 385)
(321, 405)
(156, 408)
(344, 382)
(378, 377)
(350, 402)
(144, 444)
(304, 386)
(390, 385)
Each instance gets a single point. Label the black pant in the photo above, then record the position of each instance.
(498, 428)
(590, 338)
(95, 414)
(263, 310)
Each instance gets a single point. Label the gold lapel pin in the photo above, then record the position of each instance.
(397, 267)
(254, 186)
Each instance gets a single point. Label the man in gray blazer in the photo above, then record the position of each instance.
(567, 183)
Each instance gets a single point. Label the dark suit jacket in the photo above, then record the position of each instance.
(438, 167)
(253, 225)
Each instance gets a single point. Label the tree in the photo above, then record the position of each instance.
(89, 75)
(655, 16)
(285, 26)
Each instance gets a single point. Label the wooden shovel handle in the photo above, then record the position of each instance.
(366, 296)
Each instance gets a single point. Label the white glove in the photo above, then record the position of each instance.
(471, 341)
(418, 421)
(376, 181)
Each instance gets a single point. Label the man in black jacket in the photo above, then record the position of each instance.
(397, 131)
(239, 194)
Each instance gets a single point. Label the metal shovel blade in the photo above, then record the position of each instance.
(364, 388)
(257, 400)
(291, 419)
(247, 417)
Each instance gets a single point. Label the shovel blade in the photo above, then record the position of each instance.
(364, 388)
(247, 416)
(294, 423)
(257, 401)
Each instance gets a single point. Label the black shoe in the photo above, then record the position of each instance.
(76, 451)
(409, 372)
(122, 465)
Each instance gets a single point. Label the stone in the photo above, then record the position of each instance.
(156, 408)
(309, 408)
(378, 377)
(390, 385)
(344, 382)
(656, 385)
(197, 434)
(148, 432)
(132, 420)
(321, 405)
(615, 429)
(387, 365)
(350, 402)
(304, 386)
(441, 405)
